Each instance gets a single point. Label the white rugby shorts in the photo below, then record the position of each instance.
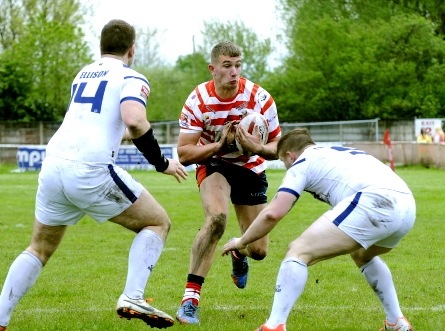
(379, 217)
(68, 190)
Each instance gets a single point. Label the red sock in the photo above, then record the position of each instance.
(192, 292)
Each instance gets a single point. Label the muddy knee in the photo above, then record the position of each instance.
(217, 226)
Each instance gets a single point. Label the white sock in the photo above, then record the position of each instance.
(22, 275)
(144, 253)
(291, 280)
(379, 277)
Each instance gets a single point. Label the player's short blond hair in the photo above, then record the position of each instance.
(225, 48)
(295, 141)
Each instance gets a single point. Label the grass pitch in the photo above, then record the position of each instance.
(80, 285)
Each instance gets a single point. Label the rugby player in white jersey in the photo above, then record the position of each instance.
(79, 177)
(372, 210)
(224, 175)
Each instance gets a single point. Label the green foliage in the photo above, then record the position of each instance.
(195, 67)
(147, 48)
(11, 22)
(47, 54)
(79, 287)
(14, 84)
(346, 60)
(358, 60)
(169, 88)
(256, 51)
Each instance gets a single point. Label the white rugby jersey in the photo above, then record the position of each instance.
(205, 112)
(333, 173)
(92, 129)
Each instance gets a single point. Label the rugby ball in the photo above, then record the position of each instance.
(256, 125)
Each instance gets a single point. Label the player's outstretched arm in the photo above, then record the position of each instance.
(266, 220)
(176, 169)
(140, 132)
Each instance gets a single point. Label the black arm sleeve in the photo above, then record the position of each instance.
(149, 147)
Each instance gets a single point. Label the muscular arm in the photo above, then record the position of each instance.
(190, 153)
(281, 204)
(134, 116)
(269, 151)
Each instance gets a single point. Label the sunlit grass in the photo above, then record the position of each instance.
(79, 287)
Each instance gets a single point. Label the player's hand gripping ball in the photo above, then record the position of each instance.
(228, 135)
(231, 130)
(256, 125)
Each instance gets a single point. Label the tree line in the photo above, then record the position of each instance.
(345, 60)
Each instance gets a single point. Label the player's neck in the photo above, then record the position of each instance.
(124, 59)
(226, 93)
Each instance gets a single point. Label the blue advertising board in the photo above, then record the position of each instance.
(130, 158)
(30, 157)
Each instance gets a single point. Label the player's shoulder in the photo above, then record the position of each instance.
(121, 69)
(130, 73)
(199, 94)
(315, 153)
(261, 94)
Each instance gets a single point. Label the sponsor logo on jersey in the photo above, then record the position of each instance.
(145, 92)
(207, 120)
(262, 96)
(184, 120)
(189, 101)
(241, 106)
(208, 108)
(245, 113)
(271, 119)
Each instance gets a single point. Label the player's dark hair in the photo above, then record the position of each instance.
(295, 141)
(117, 37)
(224, 48)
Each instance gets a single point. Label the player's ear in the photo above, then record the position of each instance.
(211, 68)
(292, 156)
(131, 51)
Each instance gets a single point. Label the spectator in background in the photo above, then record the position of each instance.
(439, 136)
(424, 137)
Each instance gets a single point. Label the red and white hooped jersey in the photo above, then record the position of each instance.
(205, 112)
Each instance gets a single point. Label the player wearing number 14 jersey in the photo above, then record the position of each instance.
(79, 177)
(92, 129)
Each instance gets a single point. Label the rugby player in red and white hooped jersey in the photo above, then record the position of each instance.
(225, 175)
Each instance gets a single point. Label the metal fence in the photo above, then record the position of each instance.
(366, 130)
(13, 134)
